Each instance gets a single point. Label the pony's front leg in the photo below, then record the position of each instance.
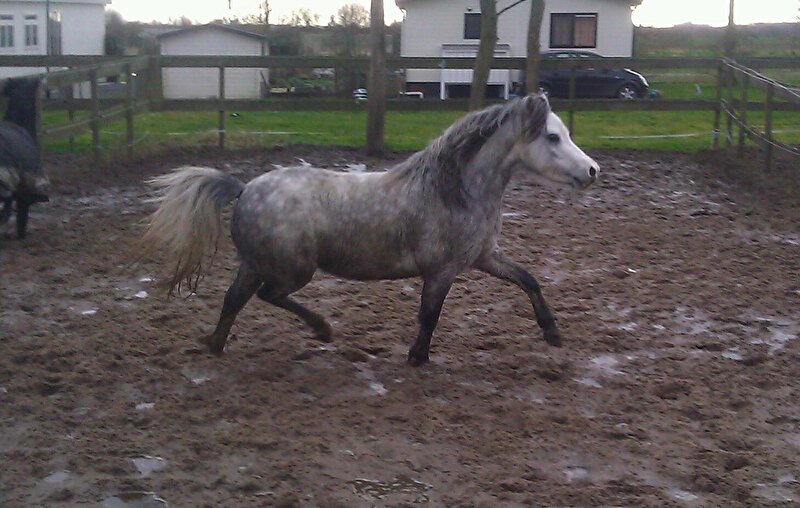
(434, 291)
(498, 265)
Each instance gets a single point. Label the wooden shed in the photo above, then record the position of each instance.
(215, 40)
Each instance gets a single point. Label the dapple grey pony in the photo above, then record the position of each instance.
(433, 216)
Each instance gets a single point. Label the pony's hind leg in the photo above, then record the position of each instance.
(322, 330)
(22, 218)
(5, 213)
(434, 292)
(498, 265)
(236, 298)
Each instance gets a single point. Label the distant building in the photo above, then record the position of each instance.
(213, 39)
(451, 28)
(36, 27)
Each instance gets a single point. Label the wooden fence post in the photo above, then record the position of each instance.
(768, 125)
(729, 104)
(221, 123)
(743, 112)
(718, 107)
(94, 123)
(71, 112)
(129, 110)
(572, 93)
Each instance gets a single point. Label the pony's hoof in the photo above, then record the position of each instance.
(552, 336)
(323, 334)
(214, 347)
(416, 359)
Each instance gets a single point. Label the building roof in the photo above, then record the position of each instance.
(216, 26)
(404, 3)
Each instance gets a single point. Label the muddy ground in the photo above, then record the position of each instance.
(675, 283)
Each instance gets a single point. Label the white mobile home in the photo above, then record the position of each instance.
(451, 28)
(55, 27)
(202, 83)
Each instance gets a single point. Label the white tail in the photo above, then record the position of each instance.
(188, 221)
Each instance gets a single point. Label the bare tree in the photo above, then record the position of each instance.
(349, 21)
(730, 33)
(352, 15)
(377, 87)
(301, 17)
(533, 56)
(483, 60)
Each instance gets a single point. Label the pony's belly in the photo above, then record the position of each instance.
(363, 266)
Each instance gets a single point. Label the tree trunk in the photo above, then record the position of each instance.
(376, 89)
(483, 61)
(534, 57)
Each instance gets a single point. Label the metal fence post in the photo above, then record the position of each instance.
(718, 107)
(743, 113)
(768, 124)
(95, 123)
(221, 123)
(572, 93)
(40, 91)
(129, 109)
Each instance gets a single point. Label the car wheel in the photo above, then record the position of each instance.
(628, 92)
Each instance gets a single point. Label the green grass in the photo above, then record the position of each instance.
(405, 130)
(413, 130)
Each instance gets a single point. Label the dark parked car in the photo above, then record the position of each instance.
(590, 82)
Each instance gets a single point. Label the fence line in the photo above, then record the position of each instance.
(736, 112)
(144, 90)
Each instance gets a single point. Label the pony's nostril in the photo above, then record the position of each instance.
(592, 172)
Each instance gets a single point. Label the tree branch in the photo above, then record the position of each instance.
(510, 7)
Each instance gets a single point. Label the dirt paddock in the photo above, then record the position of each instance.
(676, 286)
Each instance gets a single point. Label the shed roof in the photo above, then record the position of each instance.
(216, 26)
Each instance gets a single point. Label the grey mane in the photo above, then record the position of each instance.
(443, 161)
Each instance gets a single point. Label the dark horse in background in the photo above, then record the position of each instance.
(21, 176)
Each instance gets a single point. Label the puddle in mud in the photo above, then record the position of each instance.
(588, 381)
(604, 364)
(778, 339)
(147, 464)
(683, 495)
(196, 377)
(57, 477)
(134, 500)
(375, 386)
(775, 493)
(574, 474)
(401, 485)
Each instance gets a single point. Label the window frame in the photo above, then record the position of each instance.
(32, 21)
(7, 32)
(467, 15)
(573, 16)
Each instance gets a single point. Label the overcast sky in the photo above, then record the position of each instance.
(650, 13)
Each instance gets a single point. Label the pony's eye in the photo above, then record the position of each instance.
(553, 138)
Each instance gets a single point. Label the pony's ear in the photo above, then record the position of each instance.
(536, 101)
(537, 107)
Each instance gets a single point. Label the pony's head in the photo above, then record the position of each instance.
(21, 109)
(547, 151)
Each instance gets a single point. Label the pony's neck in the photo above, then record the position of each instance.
(21, 117)
(487, 175)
